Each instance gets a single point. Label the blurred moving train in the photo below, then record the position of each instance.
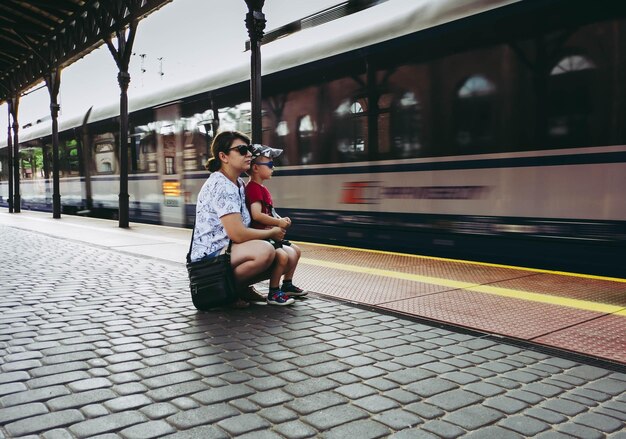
(489, 130)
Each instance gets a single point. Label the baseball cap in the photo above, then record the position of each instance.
(265, 151)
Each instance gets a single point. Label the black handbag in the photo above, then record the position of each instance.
(211, 281)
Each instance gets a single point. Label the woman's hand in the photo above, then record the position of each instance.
(277, 233)
(283, 223)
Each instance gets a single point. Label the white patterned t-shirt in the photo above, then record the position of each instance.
(218, 197)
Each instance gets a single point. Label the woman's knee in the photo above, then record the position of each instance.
(259, 253)
(266, 254)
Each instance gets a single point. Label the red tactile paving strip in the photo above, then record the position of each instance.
(360, 287)
(471, 273)
(379, 260)
(464, 272)
(604, 337)
(573, 287)
(485, 312)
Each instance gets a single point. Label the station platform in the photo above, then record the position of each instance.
(576, 313)
(98, 338)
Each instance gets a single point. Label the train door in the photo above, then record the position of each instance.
(169, 147)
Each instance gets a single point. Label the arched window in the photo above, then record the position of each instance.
(351, 128)
(573, 63)
(475, 114)
(570, 101)
(475, 86)
(406, 116)
(306, 130)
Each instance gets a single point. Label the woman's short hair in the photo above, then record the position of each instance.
(221, 143)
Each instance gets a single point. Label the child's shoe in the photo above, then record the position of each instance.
(293, 290)
(279, 298)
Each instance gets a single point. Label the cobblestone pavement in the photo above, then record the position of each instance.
(98, 343)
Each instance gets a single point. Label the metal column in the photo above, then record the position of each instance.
(255, 23)
(17, 200)
(10, 158)
(122, 59)
(53, 80)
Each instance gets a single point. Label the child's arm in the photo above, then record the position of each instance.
(259, 216)
(276, 215)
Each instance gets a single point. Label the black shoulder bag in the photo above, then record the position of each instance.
(211, 281)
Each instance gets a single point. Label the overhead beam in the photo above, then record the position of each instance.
(75, 37)
(21, 17)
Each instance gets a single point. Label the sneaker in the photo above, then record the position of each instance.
(279, 298)
(252, 295)
(294, 291)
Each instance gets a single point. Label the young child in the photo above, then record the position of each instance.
(259, 201)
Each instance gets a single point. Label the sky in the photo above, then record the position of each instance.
(183, 39)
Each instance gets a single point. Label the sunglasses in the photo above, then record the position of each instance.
(268, 164)
(242, 149)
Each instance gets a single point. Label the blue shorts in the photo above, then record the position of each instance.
(214, 254)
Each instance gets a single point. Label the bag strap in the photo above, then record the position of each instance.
(193, 232)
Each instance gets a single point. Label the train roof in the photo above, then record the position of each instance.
(382, 22)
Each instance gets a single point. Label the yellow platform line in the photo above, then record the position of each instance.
(463, 261)
(584, 305)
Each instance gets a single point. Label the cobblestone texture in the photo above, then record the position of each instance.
(97, 343)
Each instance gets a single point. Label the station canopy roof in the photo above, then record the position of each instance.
(38, 35)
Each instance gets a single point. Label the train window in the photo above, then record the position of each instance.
(146, 149)
(384, 125)
(169, 153)
(47, 159)
(351, 129)
(306, 131)
(236, 117)
(475, 114)
(275, 124)
(31, 162)
(282, 129)
(104, 157)
(207, 125)
(169, 165)
(197, 135)
(194, 151)
(570, 101)
(267, 130)
(406, 116)
(278, 140)
(288, 121)
(69, 159)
